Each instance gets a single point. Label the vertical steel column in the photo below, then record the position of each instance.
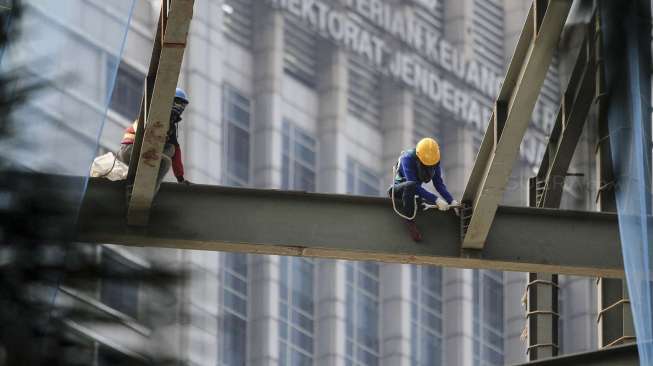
(541, 304)
(615, 320)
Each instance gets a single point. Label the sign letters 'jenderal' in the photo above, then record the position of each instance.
(413, 53)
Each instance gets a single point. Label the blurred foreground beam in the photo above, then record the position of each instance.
(348, 227)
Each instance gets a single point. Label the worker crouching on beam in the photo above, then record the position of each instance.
(171, 151)
(414, 168)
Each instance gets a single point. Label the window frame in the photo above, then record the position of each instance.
(233, 95)
(292, 135)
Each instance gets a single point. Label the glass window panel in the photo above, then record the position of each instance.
(127, 91)
(283, 310)
(236, 262)
(240, 116)
(302, 321)
(283, 354)
(234, 302)
(368, 190)
(119, 293)
(432, 321)
(236, 283)
(283, 331)
(304, 178)
(300, 359)
(240, 99)
(285, 172)
(368, 283)
(301, 340)
(305, 154)
(368, 358)
(238, 152)
(235, 340)
(371, 267)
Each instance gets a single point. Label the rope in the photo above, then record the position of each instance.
(395, 168)
(115, 157)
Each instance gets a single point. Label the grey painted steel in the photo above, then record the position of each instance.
(512, 112)
(615, 319)
(146, 101)
(348, 227)
(614, 356)
(572, 114)
(542, 315)
(546, 191)
(173, 43)
(615, 322)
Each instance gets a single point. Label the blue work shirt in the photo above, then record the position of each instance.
(408, 172)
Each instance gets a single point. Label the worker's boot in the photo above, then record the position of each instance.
(413, 230)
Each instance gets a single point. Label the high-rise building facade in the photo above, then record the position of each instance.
(322, 96)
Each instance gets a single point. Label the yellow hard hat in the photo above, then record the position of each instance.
(428, 151)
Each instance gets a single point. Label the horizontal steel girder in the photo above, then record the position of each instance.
(350, 227)
(612, 356)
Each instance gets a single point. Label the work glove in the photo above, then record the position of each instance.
(455, 206)
(442, 204)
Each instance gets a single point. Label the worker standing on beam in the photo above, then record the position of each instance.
(415, 167)
(171, 150)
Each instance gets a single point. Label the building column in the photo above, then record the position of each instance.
(458, 325)
(332, 116)
(268, 79)
(395, 315)
(330, 314)
(199, 300)
(263, 324)
(397, 120)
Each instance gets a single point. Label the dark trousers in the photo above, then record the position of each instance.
(405, 192)
(125, 154)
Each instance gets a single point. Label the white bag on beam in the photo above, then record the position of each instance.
(108, 166)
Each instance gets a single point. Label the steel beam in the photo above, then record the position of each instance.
(512, 112)
(615, 319)
(613, 356)
(572, 114)
(176, 17)
(546, 191)
(349, 227)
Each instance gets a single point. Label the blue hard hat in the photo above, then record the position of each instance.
(181, 94)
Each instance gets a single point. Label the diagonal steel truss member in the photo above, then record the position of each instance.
(349, 227)
(572, 114)
(165, 65)
(512, 112)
